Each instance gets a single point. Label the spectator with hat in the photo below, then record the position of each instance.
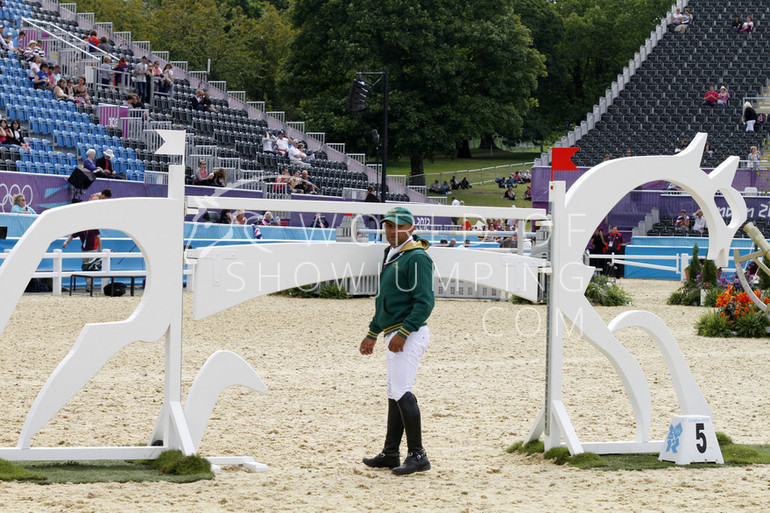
(282, 143)
(107, 167)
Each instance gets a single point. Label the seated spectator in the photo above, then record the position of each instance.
(607, 157)
(700, 222)
(14, 135)
(61, 93)
(686, 22)
(370, 196)
(295, 183)
(445, 188)
(682, 146)
(105, 71)
(219, 179)
(297, 155)
(708, 149)
(748, 26)
(309, 187)
(81, 91)
(435, 187)
(29, 52)
(509, 194)
(711, 97)
(724, 97)
(5, 133)
(225, 216)
(107, 167)
(105, 45)
(319, 221)
(129, 102)
(34, 67)
(168, 78)
(70, 89)
(240, 217)
(197, 101)
(206, 101)
(749, 116)
(754, 158)
(737, 25)
(465, 184)
(682, 222)
(676, 19)
(89, 163)
(267, 219)
(56, 70)
(528, 193)
(453, 182)
(20, 205)
(40, 80)
(202, 174)
(282, 143)
(268, 143)
(93, 41)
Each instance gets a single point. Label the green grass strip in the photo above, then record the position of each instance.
(12, 472)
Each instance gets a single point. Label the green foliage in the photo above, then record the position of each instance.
(586, 460)
(709, 274)
(713, 324)
(723, 439)
(332, 291)
(694, 269)
(174, 462)
(559, 455)
(533, 447)
(752, 325)
(458, 70)
(302, 292)
(711, 296)
(603, 290)
(687, 295)
(764, 278)
(12, 472)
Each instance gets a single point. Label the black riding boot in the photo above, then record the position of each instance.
(416, 460)
(390, 457)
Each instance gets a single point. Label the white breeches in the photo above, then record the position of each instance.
(402, 367)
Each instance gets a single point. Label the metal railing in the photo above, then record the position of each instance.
(477, 176)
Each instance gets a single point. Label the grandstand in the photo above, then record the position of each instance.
(660, 104)
(60, 133)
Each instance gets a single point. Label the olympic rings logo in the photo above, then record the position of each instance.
(7, 193)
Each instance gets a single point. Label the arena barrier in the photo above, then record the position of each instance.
(226, 276)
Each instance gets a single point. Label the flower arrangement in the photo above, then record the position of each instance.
(734, 304)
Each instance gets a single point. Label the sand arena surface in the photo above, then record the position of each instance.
(480, 385)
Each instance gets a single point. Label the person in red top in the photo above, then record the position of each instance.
(711, 97)
(93, 41)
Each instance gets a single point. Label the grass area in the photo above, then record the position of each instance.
(733, 454)
(488, 195)
(448, 165)
(171, 466)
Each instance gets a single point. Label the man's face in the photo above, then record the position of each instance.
(397, 234)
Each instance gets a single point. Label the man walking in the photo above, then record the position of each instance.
(406, 285)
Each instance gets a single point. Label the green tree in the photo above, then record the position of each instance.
(458, 70)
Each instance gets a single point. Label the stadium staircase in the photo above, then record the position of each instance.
(656, 102)
(61, 132)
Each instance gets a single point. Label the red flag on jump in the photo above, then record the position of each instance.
(560, 159)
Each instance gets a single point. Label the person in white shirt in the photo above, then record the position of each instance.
(268, 143)
(282, 143)
(700, 222)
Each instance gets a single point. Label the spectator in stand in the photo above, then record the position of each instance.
(121, 73)
(60, 92)
(724, 97)
(38, 49)
(682, 222)
(284, 178)
(268, 142)
(686, 22)
(34, 67)
(14, 135)
(168, 78)
(607, 157)
(5, 133)
(748, 26)
(282, 143)
(219, 179)
(267, 219)
(614, 247)
(509, 194)
(708, 149)
(319, 221)
(29, 52)
(240, 217)
(20, 205)
(49, 77)
(699, 224)
(140, 78)
(309, 187)
(295, 183)
(56, 70)
(226, 216)
(105, 45)
(93, 42)
(528, 193)
(682, 146)
(435, 187)
(107, 167)
(105, 71)
(754, 158)
(81, 91)
(737, 25)
(206, 101)
(297, 156)
(749, 116)
(711, 97)
(202, 175)
(40, 81)
(197, 101)
(676, 19)
(465, 184)
(129, 102)
(370, 196)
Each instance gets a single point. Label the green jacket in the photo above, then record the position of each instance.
(405, 297)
